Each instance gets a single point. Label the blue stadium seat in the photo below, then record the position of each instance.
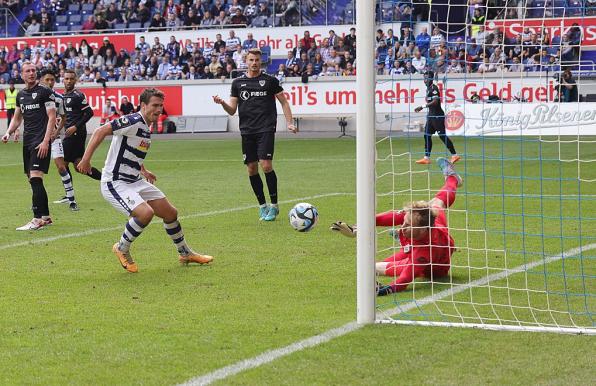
(552, 50)
(120, 27)
(87, 7)
(74, 8)
(266, 54)
(134, 26)
(61, 19)
(74, 19)
(62, 28)
(574, 8)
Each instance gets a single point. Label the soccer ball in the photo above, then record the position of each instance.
(303, 217)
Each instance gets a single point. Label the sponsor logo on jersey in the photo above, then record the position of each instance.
(144, 145)
(31, 107)
(242, 84)
(407, 248)
(244, 95)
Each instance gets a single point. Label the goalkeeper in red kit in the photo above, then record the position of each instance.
(426, 245)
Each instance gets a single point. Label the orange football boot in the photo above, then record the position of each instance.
(423, 161)
(454, 158)
(194, 257)
(125, 260)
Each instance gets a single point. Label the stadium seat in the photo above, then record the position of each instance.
(74, 19)
(87, 7)
(266, 54)
(134, 26)
(73, 8)
(61, 19)
(259, 21)
(120, 27)
(62, 28)
(574, 8)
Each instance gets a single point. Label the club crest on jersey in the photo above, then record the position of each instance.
(407, 248)
(144, 145)
(34, 95)
(68, 100)
(261, 83)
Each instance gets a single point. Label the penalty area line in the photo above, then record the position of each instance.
(272, 355)
(193, 215)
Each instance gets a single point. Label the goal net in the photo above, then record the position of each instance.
(515, 87)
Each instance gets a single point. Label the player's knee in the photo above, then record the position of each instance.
(171, 214)
(252, 168)
(144, 214)
(267, 166)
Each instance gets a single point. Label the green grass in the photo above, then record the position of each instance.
(71, 315)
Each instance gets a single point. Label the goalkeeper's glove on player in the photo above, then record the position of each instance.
(383, 290)
(344, 229)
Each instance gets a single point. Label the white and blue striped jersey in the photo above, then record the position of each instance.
(60, 111)
(130, 142)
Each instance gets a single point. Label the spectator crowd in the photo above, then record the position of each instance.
(397, 52)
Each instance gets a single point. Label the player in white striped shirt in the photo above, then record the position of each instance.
(122, 184)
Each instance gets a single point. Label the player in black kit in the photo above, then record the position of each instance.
(36, 106)
(254, 94)
(435, 121)
(78, 113)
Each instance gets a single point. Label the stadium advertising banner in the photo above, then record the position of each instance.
(335, 97)
(554, 27)
(59, 43)
(522, 119)
(280, 39)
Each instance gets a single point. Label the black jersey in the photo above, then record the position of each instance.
(256, 103)
(74, 104)
(435, 111)
(33, 104)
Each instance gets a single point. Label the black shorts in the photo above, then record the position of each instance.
(256, 147)
(74, 147)
(435, 125)
(32, 162)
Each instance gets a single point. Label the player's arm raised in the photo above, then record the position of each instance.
(230, 107)
(98, 136)
(16, 121)
(285, 106)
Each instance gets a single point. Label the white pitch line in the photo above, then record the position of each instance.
(201, 214)
(238, 160)
(271, 355)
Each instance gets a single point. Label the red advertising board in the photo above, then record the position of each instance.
(97, 97)
(59, 42)
(554, 27)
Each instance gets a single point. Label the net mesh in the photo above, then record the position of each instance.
(524, 220)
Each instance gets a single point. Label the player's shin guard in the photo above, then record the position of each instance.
(174, 230)
(95, 174)
(39, 198)
(448, 191)
(271, 179)
(257, 187)
(132, 230)
(67, 182)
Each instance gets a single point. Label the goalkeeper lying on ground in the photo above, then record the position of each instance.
(426, 245)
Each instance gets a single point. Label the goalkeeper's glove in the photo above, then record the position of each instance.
(383, 290)
(344, 229)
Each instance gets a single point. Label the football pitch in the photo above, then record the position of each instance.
(71, 315)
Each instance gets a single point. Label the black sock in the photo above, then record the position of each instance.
(428, 144)
(95, 174)
(447, 141)
(40, 198)
(257, 187)
(271, 179)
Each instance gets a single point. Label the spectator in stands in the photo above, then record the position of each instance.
(568, 90)
(163, 68)
(175, 70)
(526, 35)
(566, 49)
(419, 62)
(515, 48)
(173, 47)
(264, 10)
(45, 26)
(333, 39)
(96, 61)
(515, 65)
(480, 36)
(100, 23)
(85, 49)
(238, 18)
(290, 59)
(290, 14)
(485, 67)
(208, 20)
(302, 61)
(109, 59)
(498, 57)
(157, 23)
(477, 20)
(88, 76)
(407, 36)
(218, 43)
(317, 63)
(143, 14)
(33, 28)
(113, 16)
(454, 67)
(232, 41)
(192, 19)
(214, 63)
(474, 55)
(138, 70)
(251, 10)
(143, 46)
(222, 19)
(249, 43)
(28, 20)
(111, 76)
(125, 106)
(437, 38)
(152, 68)
(158, 48)
(89, 24)
(12, 55)
(172, 22)
(390, 39)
